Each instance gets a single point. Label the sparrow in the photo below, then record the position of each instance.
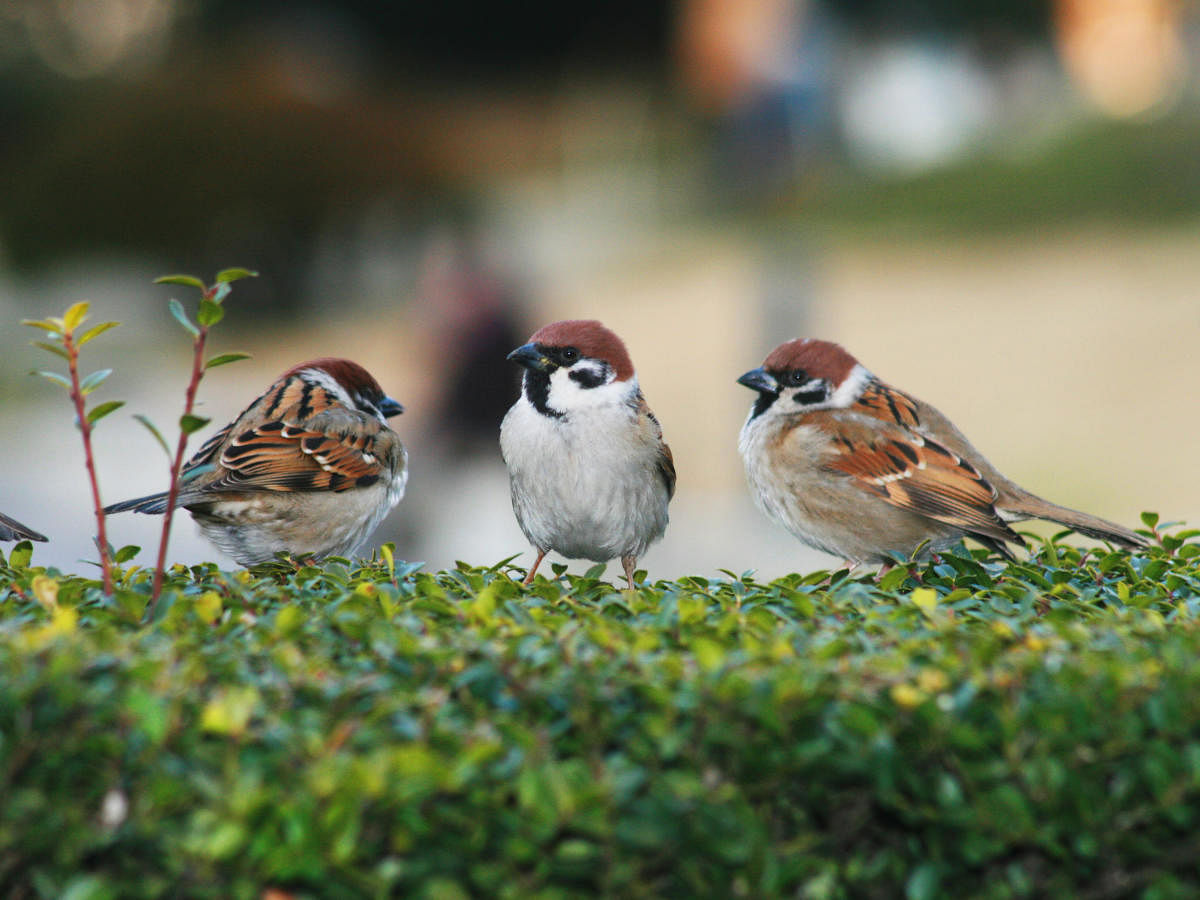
(12, 530)
(859, 469)
(310, 468)
(589, 473)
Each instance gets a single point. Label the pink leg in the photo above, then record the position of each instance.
(533, 569)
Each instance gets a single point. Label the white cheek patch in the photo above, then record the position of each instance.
(849, 389)
(568, 394)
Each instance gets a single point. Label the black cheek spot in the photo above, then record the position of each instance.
(808, 398)
(587, 378)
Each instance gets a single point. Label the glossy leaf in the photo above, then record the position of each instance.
(55, 377)
(181, 317)
(95, 331)
(75, 315)
(52, 325)
(153, 429)
(187, 280)
(52, 348)
(224, 359)
(190, 424)
(96, 413)
(93, 381)
(210, 313)
(234, 274)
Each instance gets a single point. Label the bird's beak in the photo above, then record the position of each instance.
(531, 358)
(390, 407)
(759, 380)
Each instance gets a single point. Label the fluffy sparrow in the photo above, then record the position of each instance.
(856, 468)
(589, 472)
(310, 468)
(12, 530)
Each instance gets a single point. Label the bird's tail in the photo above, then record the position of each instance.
(12, 530)
(1034, 507)
(155, 504)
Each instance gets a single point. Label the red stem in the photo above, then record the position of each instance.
(177, 464)
(85, 429)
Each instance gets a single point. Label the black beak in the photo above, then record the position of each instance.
(759, 380)
(390, 407)
(529, 356)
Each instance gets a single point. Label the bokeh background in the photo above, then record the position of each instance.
(994, 205)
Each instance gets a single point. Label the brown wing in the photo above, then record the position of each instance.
(666, 461)
(335, 449)
(881, 401)
(913, 472)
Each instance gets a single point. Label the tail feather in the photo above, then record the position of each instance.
(155, 504)
(1030, 506)
(12, 530)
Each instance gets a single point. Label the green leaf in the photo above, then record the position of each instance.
(96, 413)
(181, 317)
(188, 280)
(1150, 519)
(154, 431)
(93, 381)
(226, 275)
(75, 315)
(20, 555)
(126, 553)
(95, 331)
(210, 313)
(225, 359)
(190, 424)
(53, 325)
(53, 348)
(55, 377)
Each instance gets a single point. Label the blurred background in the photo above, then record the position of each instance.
(994, 205)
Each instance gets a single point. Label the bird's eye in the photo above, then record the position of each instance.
(570, 354)
(797, 377)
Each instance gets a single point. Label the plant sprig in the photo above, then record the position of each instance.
(64, 340)
(209, 313)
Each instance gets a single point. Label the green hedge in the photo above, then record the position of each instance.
(959, 728)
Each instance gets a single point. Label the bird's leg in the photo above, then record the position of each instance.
(537, 562)
(629, 562)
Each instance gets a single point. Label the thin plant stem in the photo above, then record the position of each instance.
(85, 428)
(177, 465)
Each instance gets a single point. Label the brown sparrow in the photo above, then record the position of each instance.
(310, 468)
(856, 468)
(12, 530)
(589, 472)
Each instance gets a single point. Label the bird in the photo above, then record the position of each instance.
(12, 530)
(589, 473)
(859, 469)
(310, 468)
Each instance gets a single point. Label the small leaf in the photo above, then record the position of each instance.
(219, 293)
(224, 359)
(1150, 519)
(95, 331)
(75, 315)
(53, 348)
(181, 317)
(226, 275)
(190, 424)
(188, 280)
(210, 313)
(95, 414)
(55, 377)
(126, 553)
(154, 431)
(20, 555)
(52, 325)
(93, 381)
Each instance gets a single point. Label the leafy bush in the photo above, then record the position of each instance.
(958, 728)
